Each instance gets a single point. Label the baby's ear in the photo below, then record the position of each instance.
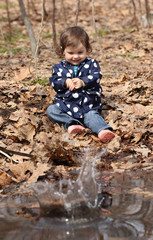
(89, 50)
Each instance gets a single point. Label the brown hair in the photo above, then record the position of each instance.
(72, 36)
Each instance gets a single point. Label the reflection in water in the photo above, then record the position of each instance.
(131, 218)
(46, 229)
(73, 211)
(136, 224)
(135, 213)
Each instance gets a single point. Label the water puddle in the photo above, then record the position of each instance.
(106, 206)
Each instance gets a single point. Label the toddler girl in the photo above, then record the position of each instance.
(76, 81)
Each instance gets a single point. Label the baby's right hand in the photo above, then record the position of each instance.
(69, 84)
(78, 83)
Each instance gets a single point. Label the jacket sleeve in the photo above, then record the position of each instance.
(58, 79)
(93, 75)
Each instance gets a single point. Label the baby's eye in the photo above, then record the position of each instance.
(70, 53)
(80, 52)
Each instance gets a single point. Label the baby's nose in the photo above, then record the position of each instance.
(76, 56)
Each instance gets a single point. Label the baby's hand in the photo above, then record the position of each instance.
(69, 84)
(78, 83)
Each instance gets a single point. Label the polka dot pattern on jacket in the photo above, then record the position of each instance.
(77, 102)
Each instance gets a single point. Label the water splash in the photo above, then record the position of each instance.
(65, 201)
(71, 200)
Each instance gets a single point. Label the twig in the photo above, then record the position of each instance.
(47, 47)
(12, 178)
(8, 156)
(4, 150)
(5, 154)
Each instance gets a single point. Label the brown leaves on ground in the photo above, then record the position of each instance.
(127, 66)
(25, 171)
(5, 179)
(23, 74)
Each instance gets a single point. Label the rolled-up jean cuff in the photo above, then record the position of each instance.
(73, 122)
(109, 128)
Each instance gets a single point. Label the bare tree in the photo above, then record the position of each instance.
(96, 32)
(8, 18)
(93, 17)
(28, 26)
(38, 40)
(77, 12)
(135, 19)
(64, 12)
(148, 13)
(53, 24)
(31, 7)
(45, 14)
(140, 7)
(138, 13)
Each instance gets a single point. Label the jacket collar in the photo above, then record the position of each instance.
(67, 64)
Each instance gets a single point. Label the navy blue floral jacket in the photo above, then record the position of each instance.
(82, 100)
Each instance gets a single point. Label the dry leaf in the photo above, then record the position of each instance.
(26, 132)
(4, 179)
(143, 150)
(16, 115)
(114, 144)
(1, 121)
(24, 73)
(3, 83)
(40, 170)
(22, 171)
(137, 137)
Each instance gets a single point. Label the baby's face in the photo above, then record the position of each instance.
(75, 55)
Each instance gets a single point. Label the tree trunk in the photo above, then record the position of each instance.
(135, 18)
(28, 26)
(53, 24)
(8, 18)
(148, 13)
(45, 14)
(64, 13)
(77, 12)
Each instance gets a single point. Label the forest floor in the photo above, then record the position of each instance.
(125, 54)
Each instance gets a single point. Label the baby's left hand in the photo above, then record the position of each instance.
(78, 83)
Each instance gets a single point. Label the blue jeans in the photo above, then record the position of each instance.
(92, 119)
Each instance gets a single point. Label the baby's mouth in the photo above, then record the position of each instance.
(76, 60)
